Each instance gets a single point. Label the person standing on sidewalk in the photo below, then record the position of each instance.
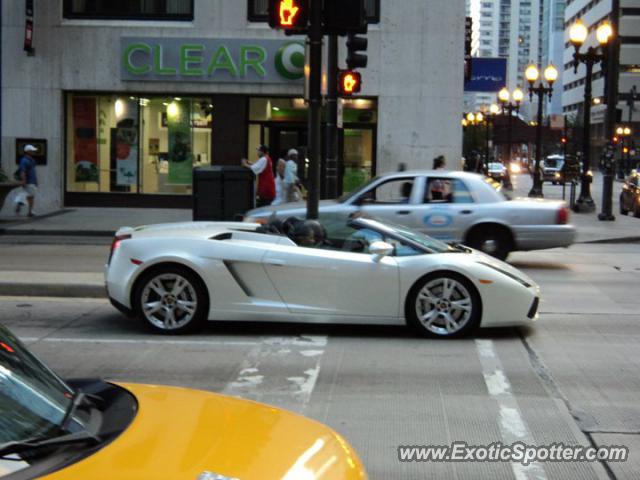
(263, 169)
(27, 173)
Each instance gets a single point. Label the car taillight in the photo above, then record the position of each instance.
(563, 216)
(115, 244)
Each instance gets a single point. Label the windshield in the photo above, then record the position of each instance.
(35, 397)
(347, 196)
(498, 188)
(425, 241)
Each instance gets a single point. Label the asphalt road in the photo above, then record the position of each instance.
(572, 378)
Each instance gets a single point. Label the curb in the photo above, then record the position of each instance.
(613, 240)
(78, 290)
(57, 233)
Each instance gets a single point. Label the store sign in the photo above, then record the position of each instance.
(487, 75)
(211, 60)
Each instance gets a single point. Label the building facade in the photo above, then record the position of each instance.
(128, 97)
(593, 13)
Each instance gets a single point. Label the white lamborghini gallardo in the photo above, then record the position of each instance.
(176, 277)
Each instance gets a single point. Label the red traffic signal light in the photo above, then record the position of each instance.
(349, 82)
(615, 140)
(563, 140)
(289, 14)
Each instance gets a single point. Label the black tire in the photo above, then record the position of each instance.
(194, 292)
(493, 240)
(437, 329)
(554, 183)
(623, 211)
(636, 209)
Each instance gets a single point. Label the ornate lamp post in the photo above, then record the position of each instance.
(508, 107)
(578, 34)
(532, 73)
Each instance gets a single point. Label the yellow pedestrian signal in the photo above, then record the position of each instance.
(349, 82)
(289, 15)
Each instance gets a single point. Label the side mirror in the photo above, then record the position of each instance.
(380, 250)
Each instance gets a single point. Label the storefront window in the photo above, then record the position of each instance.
(131, 144)
(281, 124)
(129, 9)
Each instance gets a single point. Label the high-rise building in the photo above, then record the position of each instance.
(552, 46)
(509, 29)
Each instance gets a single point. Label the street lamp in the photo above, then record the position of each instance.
(623, 133)
(508, 107)
(532, 74)
(578, 34)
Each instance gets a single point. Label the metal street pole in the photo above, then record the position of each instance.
(612, 67)
(332, 119)
(486, 147)
(314, 41)
(585, 203)
(536, 190)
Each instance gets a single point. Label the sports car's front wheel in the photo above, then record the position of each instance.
(171, 300)
(443, 304)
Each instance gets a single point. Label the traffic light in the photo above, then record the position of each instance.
(341, 17)
(355, 45)
(616, 140)
(289, 15)
(563, 140)
(349, 82)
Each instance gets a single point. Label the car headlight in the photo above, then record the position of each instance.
(515, 168)
(521, 281)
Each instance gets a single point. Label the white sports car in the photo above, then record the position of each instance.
(175, 277)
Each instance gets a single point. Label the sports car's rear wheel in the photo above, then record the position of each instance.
(171, 300)
(443, 304)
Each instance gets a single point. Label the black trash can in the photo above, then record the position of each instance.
(222, 193)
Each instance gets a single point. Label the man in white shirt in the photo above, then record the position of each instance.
(291, 177)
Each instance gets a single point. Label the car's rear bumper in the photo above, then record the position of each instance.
(538, 237)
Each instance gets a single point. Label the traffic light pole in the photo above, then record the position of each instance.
(332, 119)
(314, 40)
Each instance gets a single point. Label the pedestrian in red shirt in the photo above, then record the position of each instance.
(263, 169)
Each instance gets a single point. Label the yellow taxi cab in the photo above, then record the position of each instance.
(91, 429)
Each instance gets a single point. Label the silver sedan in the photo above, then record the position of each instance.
(451, 206)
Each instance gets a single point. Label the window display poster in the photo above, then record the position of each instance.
(126, 138)
(85, 142)
(180, 148)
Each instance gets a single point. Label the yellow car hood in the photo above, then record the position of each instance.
(181, 433)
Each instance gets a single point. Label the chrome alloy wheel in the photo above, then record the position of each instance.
(169, 301)
(444, 306)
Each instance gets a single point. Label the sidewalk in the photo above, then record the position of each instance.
(103, 222)
(67, 273)
(90, 222)
(624, 229)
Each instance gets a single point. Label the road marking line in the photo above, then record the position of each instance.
(255, 383)
(513, 427)
(212, 342)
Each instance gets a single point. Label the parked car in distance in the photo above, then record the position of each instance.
(630, 195)
(451, 206)
(176, 277)
(92, 429)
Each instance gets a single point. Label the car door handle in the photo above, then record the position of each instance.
(276, 263)
(403, 212)
(466, 212)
